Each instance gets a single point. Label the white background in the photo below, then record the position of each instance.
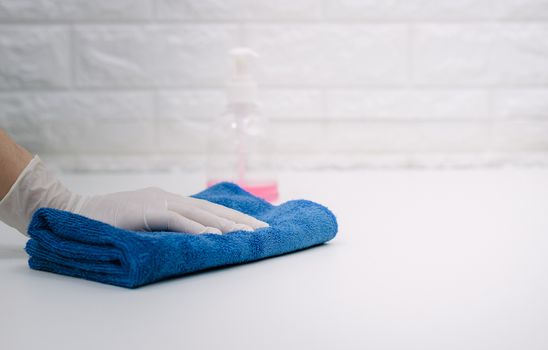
(348, 83)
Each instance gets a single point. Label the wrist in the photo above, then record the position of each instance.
(36, 187)
(13, 160)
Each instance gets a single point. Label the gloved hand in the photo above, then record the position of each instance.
(153, 209)
(149, 209)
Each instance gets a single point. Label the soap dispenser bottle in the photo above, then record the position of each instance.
(241, 147)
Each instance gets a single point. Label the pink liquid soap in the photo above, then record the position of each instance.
(267, 190)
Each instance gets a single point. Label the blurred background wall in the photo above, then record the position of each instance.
(132, 84)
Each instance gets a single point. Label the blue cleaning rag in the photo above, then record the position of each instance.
(73, 245)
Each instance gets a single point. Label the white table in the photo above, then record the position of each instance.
(423, 260)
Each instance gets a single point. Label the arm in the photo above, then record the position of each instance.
(26, 185)
(13, 159)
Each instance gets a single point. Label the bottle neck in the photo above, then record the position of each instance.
(243, 108)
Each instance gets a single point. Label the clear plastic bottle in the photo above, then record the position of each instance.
(241, 147)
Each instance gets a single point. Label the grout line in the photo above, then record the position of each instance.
(411, 54)
(152, 19)
(154, 11)
(326, 112)
(72, 57)
(320, 88)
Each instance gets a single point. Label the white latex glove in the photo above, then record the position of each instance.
(149, 209)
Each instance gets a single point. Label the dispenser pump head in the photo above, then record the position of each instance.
(241, 87)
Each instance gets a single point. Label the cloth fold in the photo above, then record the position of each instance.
(74, 245)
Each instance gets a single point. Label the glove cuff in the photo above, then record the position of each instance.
(34, 188)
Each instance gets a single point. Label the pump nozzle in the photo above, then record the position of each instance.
(241, 88)
(242, 57)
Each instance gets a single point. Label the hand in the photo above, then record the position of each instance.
(149, 209)
(153, 209)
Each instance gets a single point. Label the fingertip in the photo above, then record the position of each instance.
(242, 227)
(261, 224)
(212, 230)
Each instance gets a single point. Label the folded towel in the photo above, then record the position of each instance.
(73, 245)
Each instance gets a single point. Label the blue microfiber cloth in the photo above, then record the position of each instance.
(73, 245)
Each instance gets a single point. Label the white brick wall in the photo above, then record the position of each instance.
(133, 83)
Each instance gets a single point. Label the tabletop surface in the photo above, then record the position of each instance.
(423, 260)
